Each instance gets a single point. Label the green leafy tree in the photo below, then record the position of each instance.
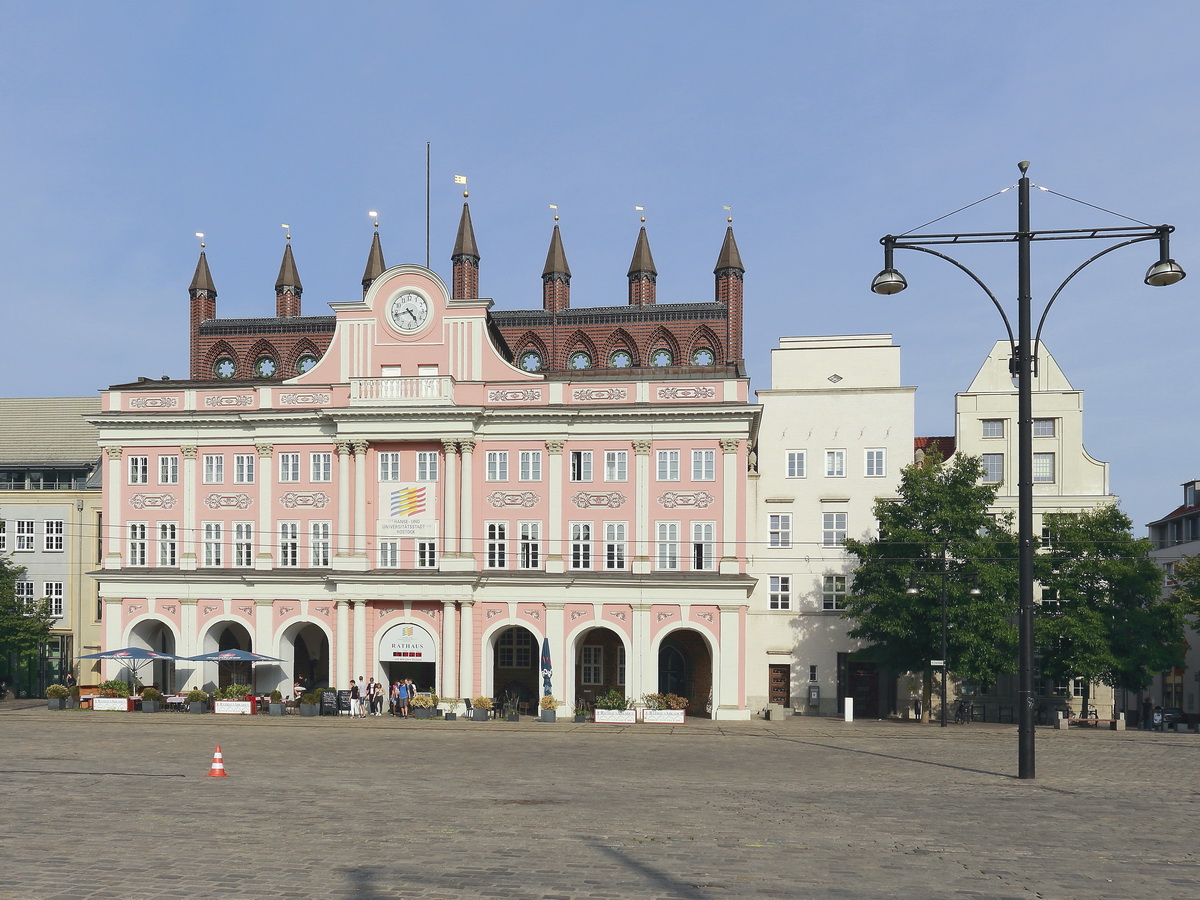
(1186, 587)
(24, 628)
(1103, 616)
(939, 525)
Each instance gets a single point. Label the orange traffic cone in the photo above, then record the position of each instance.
(218, 765)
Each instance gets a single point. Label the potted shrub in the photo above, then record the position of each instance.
(151, 699)
(613, 709)
(114, 695)
(310, 704)
(581, 711)
(549, 709)
(664, 709)
(234, 700)
(481, 708)
(74, 700)
(56, 696)
(421, 706)
(510, 709)
(197, 701)
(278, 707)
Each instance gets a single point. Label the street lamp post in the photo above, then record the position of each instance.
(912, 590)
(1023, 366)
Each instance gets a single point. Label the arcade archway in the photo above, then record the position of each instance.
(407, 650)
(685, 667)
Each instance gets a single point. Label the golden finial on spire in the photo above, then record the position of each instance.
(554, 206)
(200, 234)
(729, 218)
(640, 209)
(374, 215)
(288, 235)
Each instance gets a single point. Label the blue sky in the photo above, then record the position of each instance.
(129, 127)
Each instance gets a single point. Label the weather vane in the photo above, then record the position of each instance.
(728, 218)
(554, 206)
(462, 179)
(200, 234)
(641, 209)
(288, 234)
(374, 215)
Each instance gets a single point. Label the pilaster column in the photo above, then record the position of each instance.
(466, 649)
(641, 666)
(641, 507)
(264, 557)
(730, 503)
(341, 642)
(359, 651)
(447, 669)
(343, 520)
(360, 499)
(114, 522)
(554, 524)
(727, 694)
(189, 527)
(449, 500)
(466, 521)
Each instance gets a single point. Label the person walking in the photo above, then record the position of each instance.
(402, 697)
(355, 700)
(1147, 713)
(394, 698)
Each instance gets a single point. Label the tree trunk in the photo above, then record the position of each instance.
(927, 696)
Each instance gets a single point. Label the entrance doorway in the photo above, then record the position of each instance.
(779, 681)
(685, 669)
(599, 665)
(309, 655)
(515, 660)
(154, 635)
(409, 651)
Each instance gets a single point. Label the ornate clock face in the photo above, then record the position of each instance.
(409, 311)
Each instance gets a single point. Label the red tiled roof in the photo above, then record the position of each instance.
(945, 445)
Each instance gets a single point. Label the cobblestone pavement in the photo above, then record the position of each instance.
(117, 805)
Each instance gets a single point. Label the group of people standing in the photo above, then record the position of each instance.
(366, 698)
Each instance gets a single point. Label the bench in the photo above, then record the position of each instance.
(1065, 721)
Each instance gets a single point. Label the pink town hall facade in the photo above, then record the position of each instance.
(415, 504)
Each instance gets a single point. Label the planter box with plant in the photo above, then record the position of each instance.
(114, 695)
(278, 707)
(613, 709)
(56, 696)
(481, 708)
(664, 709)
(421, 706)
(310, 704)
(152, 699)
(548, 709)
(235, 700)
(197, 701)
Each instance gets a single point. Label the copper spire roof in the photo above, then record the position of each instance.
(643, 260)
(202, 280)
(729, 257)
(556, 257)
(464, 244)
(288, 277)
(375, 263)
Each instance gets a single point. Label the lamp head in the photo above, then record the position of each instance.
(889, 281)
(1165, 272)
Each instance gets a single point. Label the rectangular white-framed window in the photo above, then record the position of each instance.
(139, 470)
(591, 664)
(581, 545)
(1044, 427)
(243, 544)
(289, 468)
(616, 465)
(137, 544)
(993, 468)
(797, 464)
(213, 533)
(667, 546)
(875, 463)
(581, 465)
(3, 536)
(25, 535)
(779, 530)
(289, 544)
(52, 535)
(514, 649)
(168, 470)
(53, 591)
(320, 544)
(991, 428)
(668, 465)
(1077, 687)
(214, 468)
(781, 592)
(621, 664)
(496, 545)
(389, 466)
(529, 545)
(427, 465)
(168, 544)
(833, 592)
(530, 465)
(1043, 468)
(496, 465)
(426, 554)
(24, 595)
(614, 545)
(243, 468)
(320, 466)
(704, 465)
(389, 554)
(835, 463)
(703, 546)
(833, 529)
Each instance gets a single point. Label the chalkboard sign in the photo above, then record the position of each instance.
(343, 702)
(329, 703)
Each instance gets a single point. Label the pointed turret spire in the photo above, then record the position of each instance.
(642, 274)
(287, 285)
(465, 282)
(202, 280)
(203, 307)
(556, 276)
(729, 272)
(375, 264)
(729, 258)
